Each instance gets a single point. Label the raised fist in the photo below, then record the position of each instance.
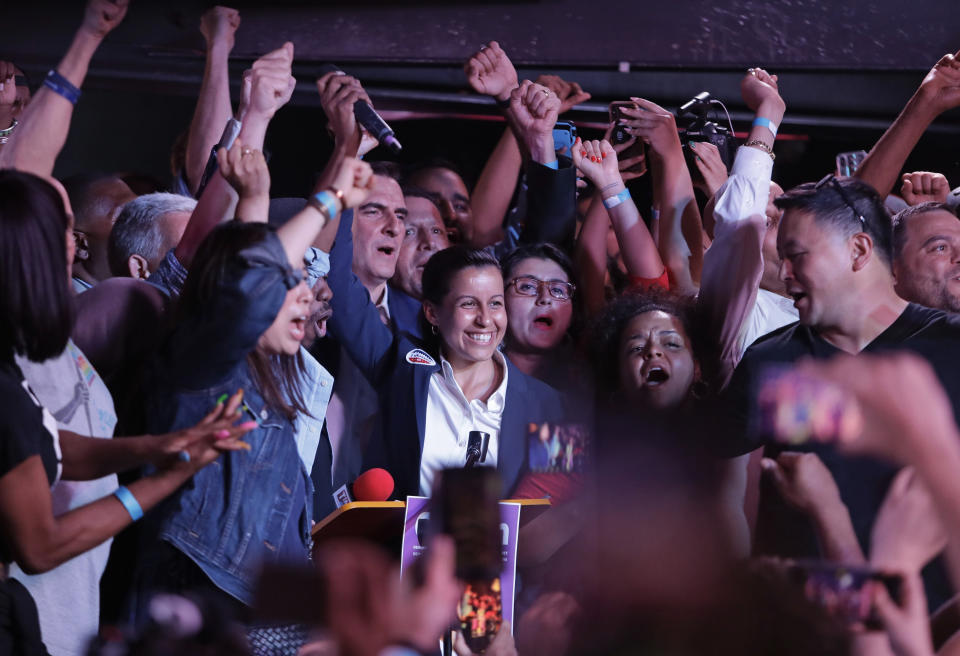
(534, 108)
(758, 87)
(354, 179)
(101, 16)
(923, 187)
(271, 81)
(219, 25)
(490, 72)
(940, 89)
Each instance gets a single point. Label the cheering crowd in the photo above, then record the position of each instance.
(765, 375)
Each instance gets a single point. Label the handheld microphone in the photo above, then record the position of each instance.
(371, 485)
(230, 132)
(477, 444)
(370, 120)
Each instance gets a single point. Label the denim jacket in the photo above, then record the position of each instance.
(232, 516)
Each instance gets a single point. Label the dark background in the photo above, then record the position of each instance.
(845, 71)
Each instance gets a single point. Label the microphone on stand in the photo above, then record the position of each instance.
(477, 444)
(371, 485)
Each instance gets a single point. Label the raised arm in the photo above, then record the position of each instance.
(551, 180)
(939, 91)
(733, 266)
(597, 160)
(491, 73)
(590, 257)
(37, 142)
(338, 93)
(681, 233)
(271, 88)
(356, 321)
(218, 26)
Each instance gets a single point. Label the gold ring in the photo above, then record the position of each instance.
(246, 151)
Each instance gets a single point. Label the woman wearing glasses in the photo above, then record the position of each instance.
(542, 315)
(433, 393)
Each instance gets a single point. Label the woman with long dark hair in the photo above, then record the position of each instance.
(242, 316)
(35, 322)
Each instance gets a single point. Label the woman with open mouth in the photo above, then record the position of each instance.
(434, 393)
(539, 282)
(243, 314)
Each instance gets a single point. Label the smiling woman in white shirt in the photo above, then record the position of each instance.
(433, 393)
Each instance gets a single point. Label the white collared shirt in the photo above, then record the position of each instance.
(450, 418)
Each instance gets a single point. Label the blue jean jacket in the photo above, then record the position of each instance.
(232, 516)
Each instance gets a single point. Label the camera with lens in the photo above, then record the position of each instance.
(694, 125)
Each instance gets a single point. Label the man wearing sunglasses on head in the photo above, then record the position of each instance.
(835, 247)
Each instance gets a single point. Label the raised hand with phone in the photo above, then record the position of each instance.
(680, 238)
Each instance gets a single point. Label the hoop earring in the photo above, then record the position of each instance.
(434, 329)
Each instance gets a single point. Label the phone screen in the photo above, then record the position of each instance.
(619, 134)
(467, 502)
(844, 591)
(564, 134)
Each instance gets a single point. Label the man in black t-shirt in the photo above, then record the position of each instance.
(835, 248)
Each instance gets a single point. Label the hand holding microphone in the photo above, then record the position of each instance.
(348, 108)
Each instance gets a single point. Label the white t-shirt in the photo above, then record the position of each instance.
(68, 596)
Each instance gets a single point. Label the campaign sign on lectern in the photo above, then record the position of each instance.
(416, 533)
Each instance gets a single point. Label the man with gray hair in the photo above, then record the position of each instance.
(147, 228)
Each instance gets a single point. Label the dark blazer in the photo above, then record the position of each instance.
(404, 313)
(384, 356)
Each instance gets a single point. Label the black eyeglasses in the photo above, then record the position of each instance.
(831, 180)
(530, 286)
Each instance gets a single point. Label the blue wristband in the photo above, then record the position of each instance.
(555, 165)
(129, 502)
(613, 201)
(328, 201)
(61, 85)
(765, 123)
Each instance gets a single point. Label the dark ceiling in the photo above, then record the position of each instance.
(844, 66)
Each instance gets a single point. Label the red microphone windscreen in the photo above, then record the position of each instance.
(373, 485)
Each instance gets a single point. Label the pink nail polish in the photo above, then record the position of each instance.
(222, 434)
(248, 425)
